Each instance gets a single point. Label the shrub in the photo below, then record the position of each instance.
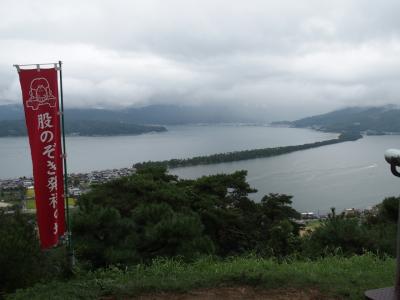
(22, 263)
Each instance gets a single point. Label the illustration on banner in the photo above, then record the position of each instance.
(40, 94)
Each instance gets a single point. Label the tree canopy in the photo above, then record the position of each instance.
(152, 213)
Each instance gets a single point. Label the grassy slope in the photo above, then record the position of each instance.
(345, 278)
(31, 204)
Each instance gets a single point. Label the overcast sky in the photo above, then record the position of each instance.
(295, 57)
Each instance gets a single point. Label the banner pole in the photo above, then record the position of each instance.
(71, 257)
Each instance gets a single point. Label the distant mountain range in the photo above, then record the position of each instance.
(153, 114)
(372, 120)
(92, 121)
(84, 128)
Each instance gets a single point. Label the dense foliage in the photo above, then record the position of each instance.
(153, 214)
(22, 263)
(248, 154)
(374, 231)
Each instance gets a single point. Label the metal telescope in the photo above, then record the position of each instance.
(392, 156)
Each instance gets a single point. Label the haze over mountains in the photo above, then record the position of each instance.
(372, 120)
(155, 114)
(90, 121)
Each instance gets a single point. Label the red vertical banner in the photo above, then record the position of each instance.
(40, 99)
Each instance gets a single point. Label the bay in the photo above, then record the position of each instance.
(345, 175)
(107, 152)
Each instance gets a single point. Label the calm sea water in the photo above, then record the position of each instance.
(345, 175)
(351, 174)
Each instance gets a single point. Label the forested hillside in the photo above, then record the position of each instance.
(373, 120)
(153, 225)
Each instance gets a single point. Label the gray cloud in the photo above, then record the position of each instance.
(294, 57)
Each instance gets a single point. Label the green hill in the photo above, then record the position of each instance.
(373, 120)
(332, 277)
(153, 232)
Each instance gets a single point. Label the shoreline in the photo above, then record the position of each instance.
(199, 160)
(246, 154)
